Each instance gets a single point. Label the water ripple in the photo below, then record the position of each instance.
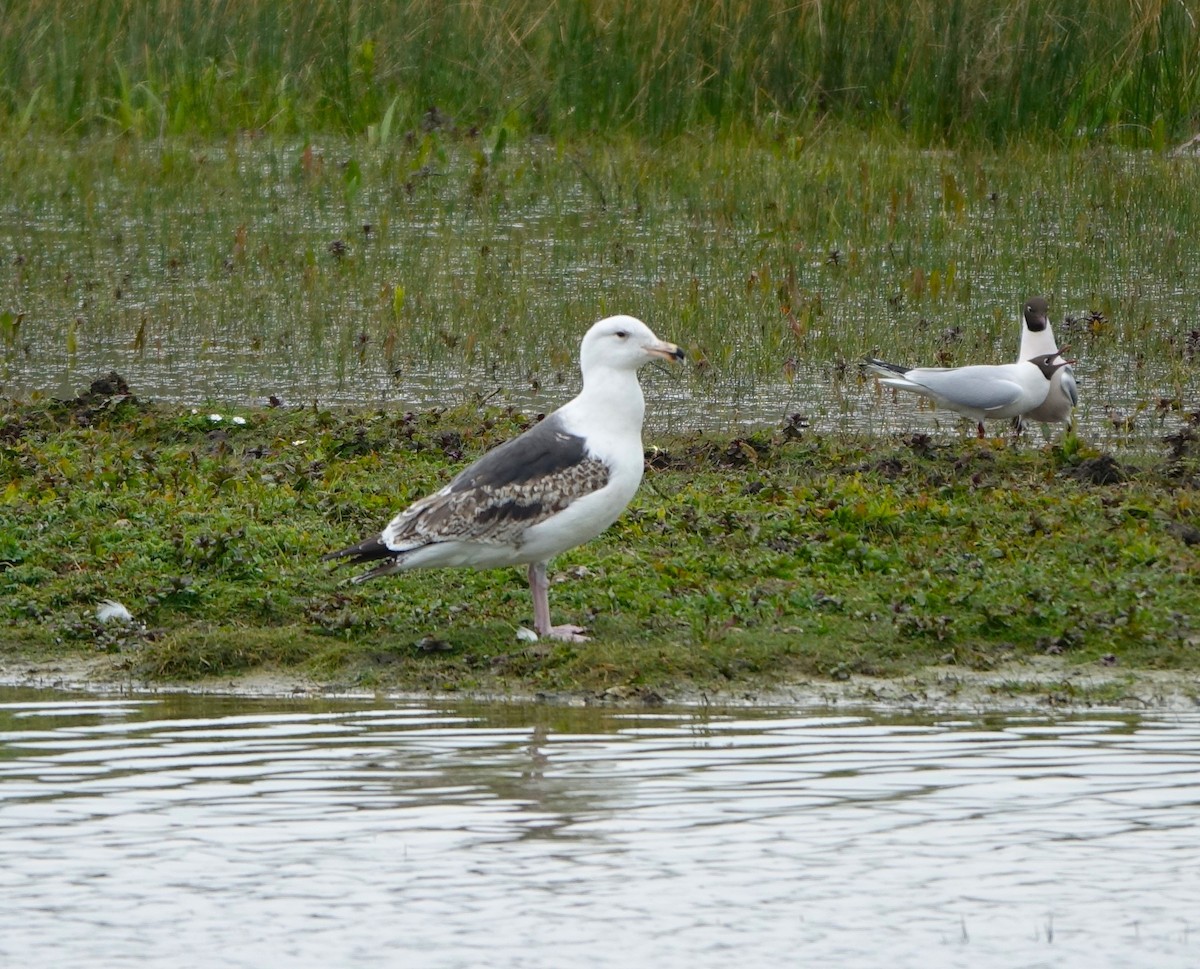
(207, 832)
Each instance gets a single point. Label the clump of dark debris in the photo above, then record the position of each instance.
(1103, 469)
(107, 393)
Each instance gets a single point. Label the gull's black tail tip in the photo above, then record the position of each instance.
(368, 550)
(882, 367)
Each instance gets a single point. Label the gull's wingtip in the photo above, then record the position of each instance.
(367, 550)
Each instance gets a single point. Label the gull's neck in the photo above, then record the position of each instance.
(1035, 344)
(612, 397)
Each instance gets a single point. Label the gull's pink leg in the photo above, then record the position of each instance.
(538, 586)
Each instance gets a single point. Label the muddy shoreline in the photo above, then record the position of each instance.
(1041, 685)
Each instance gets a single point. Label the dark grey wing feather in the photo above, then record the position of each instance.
(545, 449)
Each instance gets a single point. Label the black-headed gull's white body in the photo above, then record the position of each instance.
(1037, 339)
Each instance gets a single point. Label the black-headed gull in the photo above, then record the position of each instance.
(559, 484)
(981, 391)
(1037, 338)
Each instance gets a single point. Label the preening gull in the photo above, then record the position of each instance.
(558, 485)
(1037, 338)
(980, 391)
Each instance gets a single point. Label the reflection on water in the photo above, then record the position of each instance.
(217, 832)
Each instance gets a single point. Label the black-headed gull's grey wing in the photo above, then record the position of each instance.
(1069, 387)
(979, 388)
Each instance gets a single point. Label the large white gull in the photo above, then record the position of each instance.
(1037, 338)
(980, 391)
(559, 484)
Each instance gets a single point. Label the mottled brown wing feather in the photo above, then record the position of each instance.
(494, 514)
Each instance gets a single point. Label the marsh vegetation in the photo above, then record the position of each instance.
(355, 275)
(749, 560)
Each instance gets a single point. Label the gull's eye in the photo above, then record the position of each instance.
(621, 334)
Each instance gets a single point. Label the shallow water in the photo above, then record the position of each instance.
(206, 278)
(207, 831)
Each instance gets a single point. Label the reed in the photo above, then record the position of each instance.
(960, 70)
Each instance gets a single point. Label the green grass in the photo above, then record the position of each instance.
(743, 561)
(963, 70)
(223, 208)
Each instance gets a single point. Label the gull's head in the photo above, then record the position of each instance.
(623, 343)
(1037, 314)
(1047, 363)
